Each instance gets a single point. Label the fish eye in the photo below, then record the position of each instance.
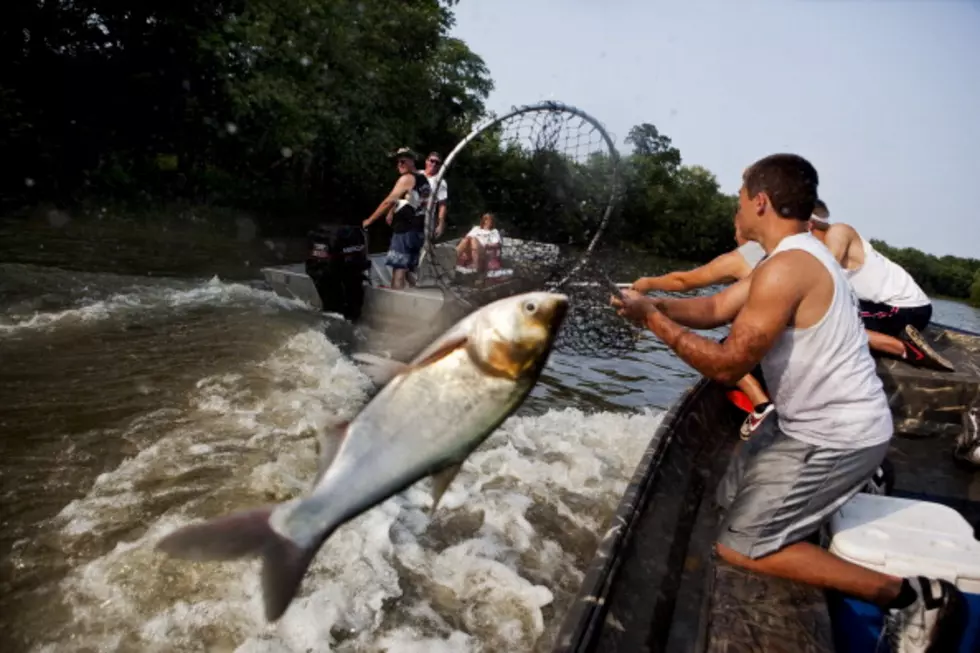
(530, 307)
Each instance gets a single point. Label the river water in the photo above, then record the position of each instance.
(132, 405)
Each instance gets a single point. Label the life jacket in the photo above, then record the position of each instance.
(410, 211)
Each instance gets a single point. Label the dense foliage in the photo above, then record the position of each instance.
(286, 104)
(290, 108)
(949, 276)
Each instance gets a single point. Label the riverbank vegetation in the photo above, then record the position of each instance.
(286, 112)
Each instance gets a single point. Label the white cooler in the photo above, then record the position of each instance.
(905, 537)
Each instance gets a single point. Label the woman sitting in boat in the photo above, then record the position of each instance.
(480, 252)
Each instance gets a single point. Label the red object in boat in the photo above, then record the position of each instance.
(740, 399)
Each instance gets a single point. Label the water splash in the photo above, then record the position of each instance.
(509, 541)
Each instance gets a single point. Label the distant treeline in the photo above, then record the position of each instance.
(290, 109)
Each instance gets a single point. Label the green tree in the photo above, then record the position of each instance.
(670, 209)
(251, 103)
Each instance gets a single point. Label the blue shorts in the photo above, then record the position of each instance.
(404, 251)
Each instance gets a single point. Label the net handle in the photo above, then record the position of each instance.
(489, 123)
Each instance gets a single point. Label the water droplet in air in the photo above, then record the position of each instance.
(231, 127)
(28, 182)
(286, 152)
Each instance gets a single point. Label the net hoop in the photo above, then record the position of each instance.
(488, 124)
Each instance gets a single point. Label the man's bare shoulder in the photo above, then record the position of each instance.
(730, 266)
(785, 272)
(840, 230)
(405, 181)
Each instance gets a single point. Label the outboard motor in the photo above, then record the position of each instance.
(336, 263)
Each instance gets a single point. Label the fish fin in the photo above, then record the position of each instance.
(382, 370)
(284, 563)
(247, 533)
(441, 481)
(235, 536)
(328, 444)
(379, 370)
(444, 349)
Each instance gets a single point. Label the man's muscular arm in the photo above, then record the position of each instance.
(402, 186)
(725, 268)
(706, 312)
(774, 294)
(838, 241)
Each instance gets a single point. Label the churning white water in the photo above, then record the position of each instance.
(240, 382)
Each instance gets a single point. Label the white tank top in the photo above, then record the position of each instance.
(752, 252)
(822, 379)
(882, 281)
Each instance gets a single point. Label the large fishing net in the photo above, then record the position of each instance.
(546, 179)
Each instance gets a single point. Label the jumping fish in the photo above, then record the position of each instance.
(425, 421)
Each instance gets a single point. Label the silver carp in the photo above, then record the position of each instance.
(425, 421)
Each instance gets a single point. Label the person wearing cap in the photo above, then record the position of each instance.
(433, 163)
(405, 210)
(893, 307)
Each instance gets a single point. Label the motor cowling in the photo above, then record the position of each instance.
(336, 261)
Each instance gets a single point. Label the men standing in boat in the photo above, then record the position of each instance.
(405, 210)
(433, 163)
(893, 307)
(796, 315)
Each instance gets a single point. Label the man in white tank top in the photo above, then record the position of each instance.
(893, 307)
(797, 315)
(433, 163)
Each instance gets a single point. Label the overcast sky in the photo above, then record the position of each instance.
(883, 96)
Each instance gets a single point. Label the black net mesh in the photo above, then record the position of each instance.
(592, 327)
(548, 176)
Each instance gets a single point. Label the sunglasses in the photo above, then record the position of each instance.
(435, 161)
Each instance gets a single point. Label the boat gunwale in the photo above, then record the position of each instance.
(589, 607)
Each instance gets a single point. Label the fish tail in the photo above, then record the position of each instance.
(284, 564)
(242, 534)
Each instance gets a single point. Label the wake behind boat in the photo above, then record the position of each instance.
(656, 585)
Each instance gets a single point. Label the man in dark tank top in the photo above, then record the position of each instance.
(405, 209)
